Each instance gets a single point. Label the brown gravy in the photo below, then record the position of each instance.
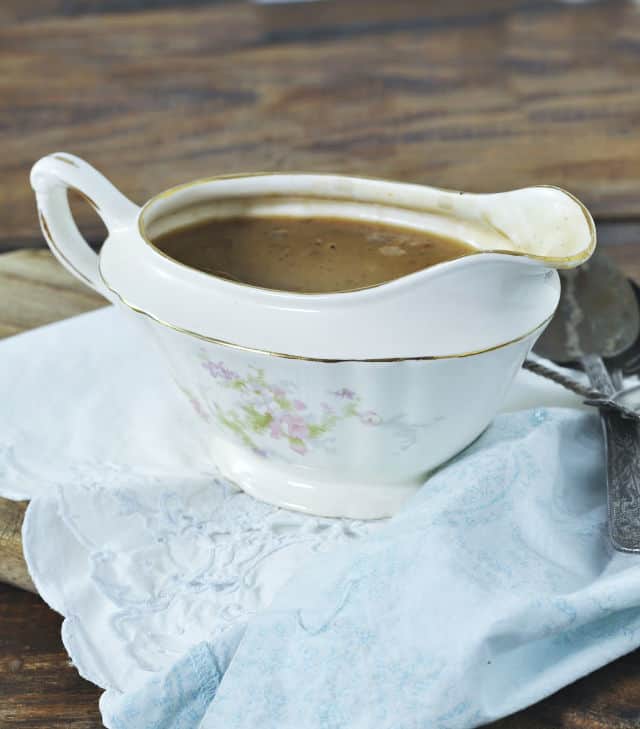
(307, 255)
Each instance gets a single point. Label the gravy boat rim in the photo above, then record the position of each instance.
(553, 261)
(281, 296)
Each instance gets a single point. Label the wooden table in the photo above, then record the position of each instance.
(482, 95)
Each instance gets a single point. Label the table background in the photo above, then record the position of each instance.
(478, 95)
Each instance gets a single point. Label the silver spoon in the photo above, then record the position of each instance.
(598, 313)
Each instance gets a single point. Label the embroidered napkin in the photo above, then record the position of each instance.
(130, 533)
(159, 565)
(495, 587)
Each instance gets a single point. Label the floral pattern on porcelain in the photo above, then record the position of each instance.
(266, 411)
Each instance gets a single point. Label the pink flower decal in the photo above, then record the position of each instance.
(218, 370)
(296, 426)
(259, 412)
(275, 429)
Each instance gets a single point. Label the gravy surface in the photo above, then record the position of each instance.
(307, 255)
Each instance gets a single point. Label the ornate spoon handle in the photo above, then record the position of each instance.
(593, 396)
(622, 448)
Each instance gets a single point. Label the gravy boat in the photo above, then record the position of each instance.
(336, 404)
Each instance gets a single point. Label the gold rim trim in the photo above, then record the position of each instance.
(65, 159)
(282, 355)
(554, 261)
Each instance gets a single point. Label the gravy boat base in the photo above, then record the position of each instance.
(337, 439)
(329, 495)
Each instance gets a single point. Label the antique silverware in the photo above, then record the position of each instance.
(598, 317)
(591, 395)
(598, 313)
(622, 448)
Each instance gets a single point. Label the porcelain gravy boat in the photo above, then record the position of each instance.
(335, 404)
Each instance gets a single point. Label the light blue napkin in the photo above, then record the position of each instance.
(493, 588)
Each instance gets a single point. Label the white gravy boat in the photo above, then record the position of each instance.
(337, 404)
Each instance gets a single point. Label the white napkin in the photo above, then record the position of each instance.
(131, 534)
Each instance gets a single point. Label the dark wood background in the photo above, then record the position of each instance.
(472, 94)
(480, 95)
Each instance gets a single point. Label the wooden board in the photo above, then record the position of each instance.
(39, 686)
(13, 569)
(481, 95)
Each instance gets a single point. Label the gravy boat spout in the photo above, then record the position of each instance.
(507, 287)
(337, 404)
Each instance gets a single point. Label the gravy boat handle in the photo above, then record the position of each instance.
(51, 178)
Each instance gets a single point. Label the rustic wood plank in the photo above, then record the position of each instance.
(484, 97)
(38, 684)
(18, 10)
(13, 569)
(36, 290)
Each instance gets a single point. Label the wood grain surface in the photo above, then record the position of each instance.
(481, 95)
(13, 569)
(39, 687)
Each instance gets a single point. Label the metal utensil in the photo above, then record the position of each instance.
(622, 446)
(598, 313)
(591, 396)
(627, 363)
(598, 316)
